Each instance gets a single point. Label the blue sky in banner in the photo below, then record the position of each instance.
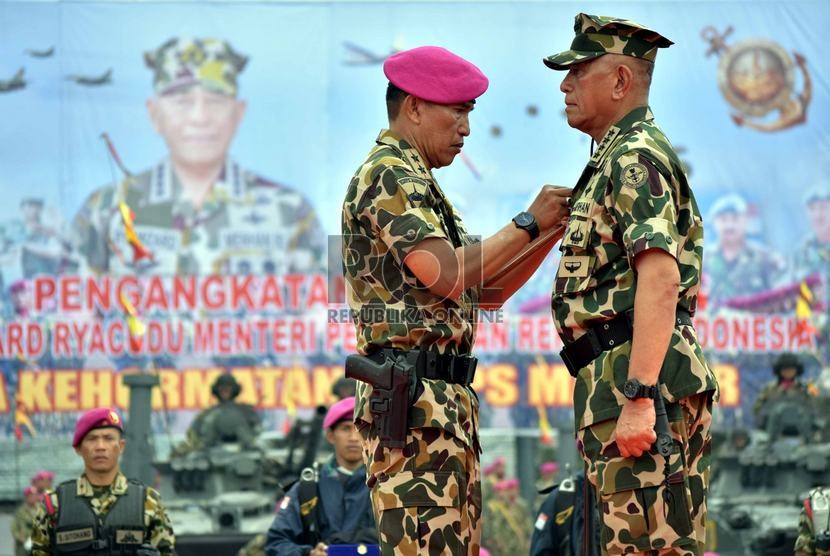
(311, 117)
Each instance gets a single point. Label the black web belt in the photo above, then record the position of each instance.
(455, 369)
(605, 336)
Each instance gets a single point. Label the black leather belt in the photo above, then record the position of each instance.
(455, 369)
(605, 336)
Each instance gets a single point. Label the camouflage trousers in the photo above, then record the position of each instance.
(637, 514)
(805, 543)
(426, 497)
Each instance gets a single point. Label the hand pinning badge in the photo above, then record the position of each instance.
(757, 77)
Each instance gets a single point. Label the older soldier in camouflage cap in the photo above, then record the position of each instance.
(736, 265)
(625, 291)
(198, 211)
(101, 512)
(407, 253)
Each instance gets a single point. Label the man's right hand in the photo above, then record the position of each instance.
(319, 550)
(551, 206)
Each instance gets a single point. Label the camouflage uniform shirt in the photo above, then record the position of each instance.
(21, 528)
(158, 530)
(635, 198)
(247, 225)
(392, 204)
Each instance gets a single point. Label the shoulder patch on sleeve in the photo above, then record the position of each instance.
(541, 520)
(414, 187)
(634, 175)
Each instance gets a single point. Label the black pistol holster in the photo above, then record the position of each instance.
(393, 381)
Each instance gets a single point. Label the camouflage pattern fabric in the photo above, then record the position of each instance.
(247, 225)
(509, 528)
(254, 547)
(755, 269)
(630, 491)
(805, 543)
(636, 199)
(813, 258)
(184, 62)
(158, 530)
(21, 528)
(598, 35)
(393, 203)
(427, 496)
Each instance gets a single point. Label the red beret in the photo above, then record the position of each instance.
(344, 409)
(98, 418)
(435, 74)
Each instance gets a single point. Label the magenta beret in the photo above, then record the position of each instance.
(344, 409)
(506, 484)
(435, 74)
(98, 418)
(549, 467)
(43, 474)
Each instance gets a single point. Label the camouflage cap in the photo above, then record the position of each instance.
(597, 35)
(184, 62)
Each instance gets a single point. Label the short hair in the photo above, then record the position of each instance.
(394, 100)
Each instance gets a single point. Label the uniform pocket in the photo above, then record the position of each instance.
(636, 510)
(407, 489)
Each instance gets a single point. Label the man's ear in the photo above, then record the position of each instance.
(122, 444)
(330, 436)
(624, 79)
(412, 109)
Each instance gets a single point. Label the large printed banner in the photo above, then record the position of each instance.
(172, 175)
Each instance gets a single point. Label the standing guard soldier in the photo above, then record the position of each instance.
(102, 512)
(415, 280)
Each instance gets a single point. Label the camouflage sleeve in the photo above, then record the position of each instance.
(159, 530)
(395, 206)
(760, 401)
(42, 529)
(18, 528)
(643, 204)
(805, 542)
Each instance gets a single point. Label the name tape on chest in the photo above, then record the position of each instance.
(75, 535)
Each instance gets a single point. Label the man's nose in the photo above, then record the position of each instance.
(565, 86)
(464, 126)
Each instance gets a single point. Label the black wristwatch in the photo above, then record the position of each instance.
(633, 389)
(526, 221)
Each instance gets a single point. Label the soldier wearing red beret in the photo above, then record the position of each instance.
(409, 259)
(101, 512)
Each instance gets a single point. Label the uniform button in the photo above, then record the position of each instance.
(649, 236)
(668, 240)
(430, 227)
(605, 327)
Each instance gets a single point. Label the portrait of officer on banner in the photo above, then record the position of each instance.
(198, 211)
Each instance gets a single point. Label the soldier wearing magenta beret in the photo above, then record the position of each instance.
(101, 512)
(407, 254)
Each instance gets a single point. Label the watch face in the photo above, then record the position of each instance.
(630, 389)
(524, 219)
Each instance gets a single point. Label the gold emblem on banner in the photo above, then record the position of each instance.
(758, 77)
